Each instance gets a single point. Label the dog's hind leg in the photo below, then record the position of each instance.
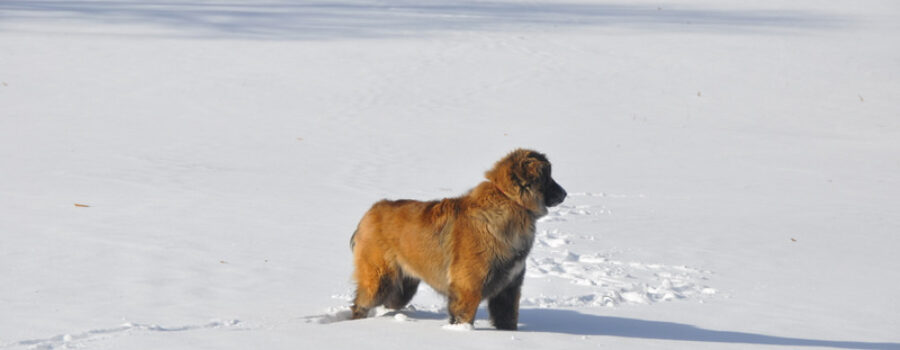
(375, 280)
(401, 293)
(369, 294)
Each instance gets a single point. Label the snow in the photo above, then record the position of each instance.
(186, 174)
(458, 327)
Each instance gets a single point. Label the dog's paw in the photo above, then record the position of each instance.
(459, 327)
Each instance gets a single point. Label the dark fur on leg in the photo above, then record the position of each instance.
(402, 293)
(504, 307)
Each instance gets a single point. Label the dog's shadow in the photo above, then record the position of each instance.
(572, 322)
(576, 323)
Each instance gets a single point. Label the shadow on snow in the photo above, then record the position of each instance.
(282, 19)
(575, 323)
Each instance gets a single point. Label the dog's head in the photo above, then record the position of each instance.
(524, 176)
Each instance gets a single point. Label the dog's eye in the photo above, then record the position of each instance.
(544, 179)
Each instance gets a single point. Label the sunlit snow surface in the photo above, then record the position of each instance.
(187, 174)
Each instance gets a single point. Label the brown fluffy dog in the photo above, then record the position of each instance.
(468, 248)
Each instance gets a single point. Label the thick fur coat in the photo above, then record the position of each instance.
(469, 248)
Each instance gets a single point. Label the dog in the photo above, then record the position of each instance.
(468, 248)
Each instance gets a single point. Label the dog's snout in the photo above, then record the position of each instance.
(557, 195)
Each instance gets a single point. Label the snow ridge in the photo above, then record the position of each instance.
(76, 340)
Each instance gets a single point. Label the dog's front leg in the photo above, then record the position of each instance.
(504, 307)
(466, 282)
(463, 301)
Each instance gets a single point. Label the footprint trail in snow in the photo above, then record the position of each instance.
(599, 278)
(79, 340)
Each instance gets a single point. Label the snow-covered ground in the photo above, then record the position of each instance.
(186, 174)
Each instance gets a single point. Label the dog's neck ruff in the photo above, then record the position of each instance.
(516, 201)
(500, 189)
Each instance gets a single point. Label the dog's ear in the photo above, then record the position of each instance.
(527, 172)
(519, 171)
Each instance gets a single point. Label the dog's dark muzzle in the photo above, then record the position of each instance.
(555, 194)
